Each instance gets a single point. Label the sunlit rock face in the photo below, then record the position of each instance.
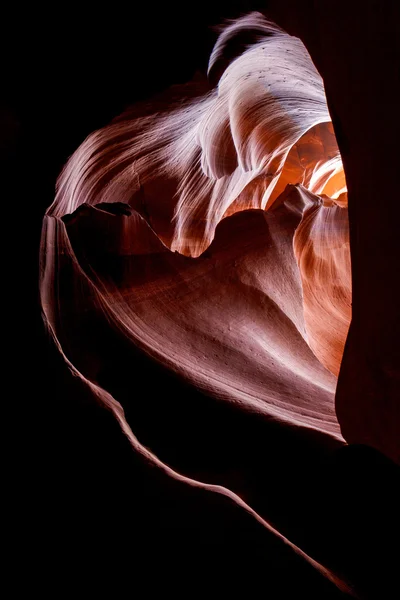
(322, 249)
(265, 126)
(211, 233)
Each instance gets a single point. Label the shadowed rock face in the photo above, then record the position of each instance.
(363, 68)
(213, 238)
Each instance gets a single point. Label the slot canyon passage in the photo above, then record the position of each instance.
(219, 285)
